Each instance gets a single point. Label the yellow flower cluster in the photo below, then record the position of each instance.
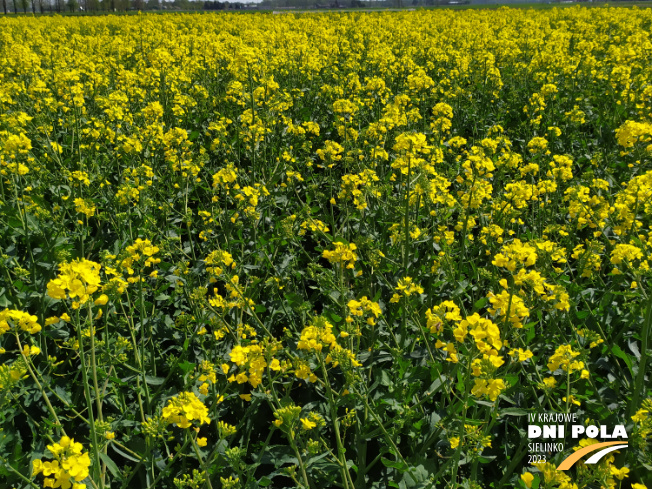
(26, 322)
(317, 336)
(77, 280)
(69, 467)
(358, 308)
(286, 416)
(505, 304)
(474, 439)
(436, 316)
(643, 422)
(351, 188)
(251, 359)
(314, 225)
(236, 295)
(141, 248)
(554, 477)
(632, 132)
(563, 357)
(331, 153)
(185, 408)
(516, 254)
(85, 206)
(11, 374)
(342, 254)
(484, 332)
(405, 288)
(217, 258)
(226, 177)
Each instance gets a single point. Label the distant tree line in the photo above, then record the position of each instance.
(270, 4)
(91, 6)
(60, 6)
(222, 5)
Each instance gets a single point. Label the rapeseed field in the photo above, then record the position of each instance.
(344, 250)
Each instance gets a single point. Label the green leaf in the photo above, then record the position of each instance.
(4, 302)
(435, 386)
(624, 357)
(385, 379)
(513, 412)
(479, 304)
(154, 380)
(400, 466)
(633, 347)
(486, 403)
(581, 314)
(110, 464)
(123, 454)
(485, 459)
(187, 366)
(316, 459)
(334, 317)
(63, 394)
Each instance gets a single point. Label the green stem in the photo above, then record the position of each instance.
(167, 466)
(6, 464)
(96, 386)
(89, 403)
(302, 466)
(389, 439)
(98, 395)
(458, 452)
(639, 385)
(142, 327)
(139, 362)
(516, 460)
(201, 461)
(406, 224)
(35, 379)
(346, 477)
(568, 390)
